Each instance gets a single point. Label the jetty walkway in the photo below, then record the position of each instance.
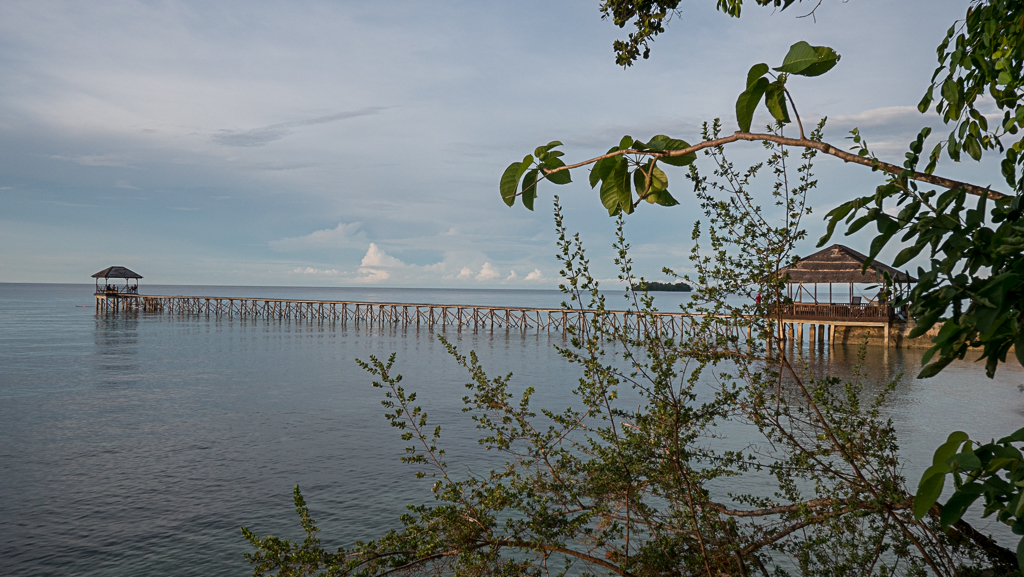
(476, 317)
(380, 314)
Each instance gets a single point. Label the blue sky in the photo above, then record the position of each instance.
(353, 143)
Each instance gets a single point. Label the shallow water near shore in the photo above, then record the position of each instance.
(139, 444)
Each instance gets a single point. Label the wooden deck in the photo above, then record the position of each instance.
(820, 320)
(840, 312)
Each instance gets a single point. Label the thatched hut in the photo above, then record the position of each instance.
(837, 264)
(117, 272)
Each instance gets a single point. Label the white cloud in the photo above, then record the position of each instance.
(536, 275)
(311, 270)
(376, 264)
(487, 272)
(342, 236)
(512, 277)
(373, 275)
(375, 257)
(465, 273)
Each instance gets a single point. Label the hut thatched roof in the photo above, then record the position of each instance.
(117, 272)
(840, 264)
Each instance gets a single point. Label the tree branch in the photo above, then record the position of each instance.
(805, 143)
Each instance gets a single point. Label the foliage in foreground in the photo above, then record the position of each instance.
(972, 283)
(604, 488)
(634, 478)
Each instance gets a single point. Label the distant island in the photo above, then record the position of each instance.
(666, 287)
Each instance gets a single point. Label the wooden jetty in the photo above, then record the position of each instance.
(826, 322)
(381, 314)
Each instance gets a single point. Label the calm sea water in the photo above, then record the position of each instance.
(139, 444)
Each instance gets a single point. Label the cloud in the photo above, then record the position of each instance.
(268, 134)
(373, 275)
(465, 273)
(512, 277)
(342, 236)
(487, 272)
(125, 184)
(536, 275)
(377, 265)
(311, 270)
(375, 257)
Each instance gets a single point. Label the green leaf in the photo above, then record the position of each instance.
(530, 188)
(955, 508)
(755, 73)
(562, 177)
(806, 60)
(663, 198)
(775, 99)
(928, 491)
(510, 182)
(1016, 437)
(669, 144)
(967, 461)
(615, 191)
(906, 254)
(747, 103)
(659, 180)
(602, 168)
(947, 449)
(626, 142)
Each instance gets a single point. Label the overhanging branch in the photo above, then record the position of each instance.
(804, 143)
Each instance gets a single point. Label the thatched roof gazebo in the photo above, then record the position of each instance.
(117, 272)
(838, 264)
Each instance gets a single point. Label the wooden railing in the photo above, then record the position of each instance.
(117, 290)
(839, 311)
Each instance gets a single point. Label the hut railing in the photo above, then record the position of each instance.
(117, 290)
(842, 311)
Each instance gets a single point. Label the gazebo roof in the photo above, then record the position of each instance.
(840, 264)
(117, 272)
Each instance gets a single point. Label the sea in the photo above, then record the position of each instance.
(139, 444)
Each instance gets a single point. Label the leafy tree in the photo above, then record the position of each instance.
(975, 269)
(606, 488)
(631, 480)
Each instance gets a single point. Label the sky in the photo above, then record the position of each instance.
(337, 143)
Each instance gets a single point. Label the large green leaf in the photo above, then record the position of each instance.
(562, 177)
(775, 99)
(806, 60)
(947, 449)
(928, 492)
(530, 188)
(747, 103)
(663, 197)
(756, 71)
(669, 144)
(510, 182)
(616, 193)
(603, 167)
(1015, 437)
(955, 508)
(967, 460)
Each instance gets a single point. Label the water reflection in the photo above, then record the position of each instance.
(116, 355)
